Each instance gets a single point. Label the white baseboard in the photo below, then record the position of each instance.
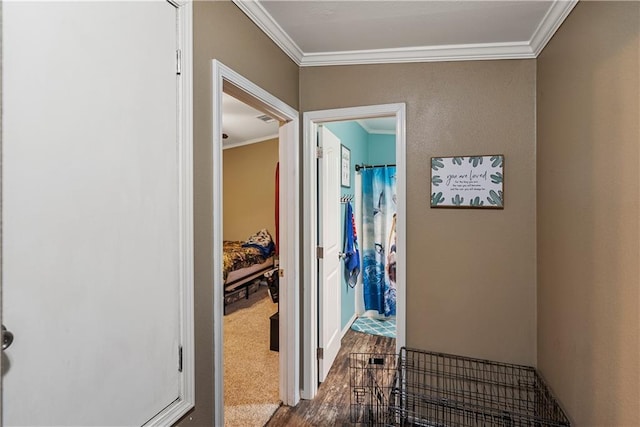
(348, 325)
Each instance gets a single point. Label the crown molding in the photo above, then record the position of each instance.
(555, 16)
(552, 20)
(254, 10)
(249, 141)
(467, 52)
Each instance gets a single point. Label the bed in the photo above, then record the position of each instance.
(244, 263)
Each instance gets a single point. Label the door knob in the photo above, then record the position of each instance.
(7, 338)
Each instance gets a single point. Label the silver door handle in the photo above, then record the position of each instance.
(7, 338)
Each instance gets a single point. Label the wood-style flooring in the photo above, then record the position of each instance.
(331, 405)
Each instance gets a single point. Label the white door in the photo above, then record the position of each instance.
(90, 205)
(329, 265)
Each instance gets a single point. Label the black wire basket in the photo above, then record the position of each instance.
(422, 388)
(372, 378)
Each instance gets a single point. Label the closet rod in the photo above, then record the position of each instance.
(363, 166)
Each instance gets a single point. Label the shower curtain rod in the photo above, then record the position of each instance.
(363, 166)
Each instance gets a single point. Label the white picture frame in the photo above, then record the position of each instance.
(474, 182)
(345, 166)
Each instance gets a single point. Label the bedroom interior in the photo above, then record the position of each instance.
(251, 362)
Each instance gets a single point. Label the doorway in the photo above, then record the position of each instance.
(225, 80)
(250, 162)
(313, 224)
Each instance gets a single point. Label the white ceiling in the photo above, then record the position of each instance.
(317, 33)
(240, 123)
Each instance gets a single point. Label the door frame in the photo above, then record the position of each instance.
(224, 79)
(186, 401)
(311, 120)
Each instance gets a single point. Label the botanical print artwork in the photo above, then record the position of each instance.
(472, 182)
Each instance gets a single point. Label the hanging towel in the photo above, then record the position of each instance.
(351, 253)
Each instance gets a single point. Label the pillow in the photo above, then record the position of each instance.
(262, 241)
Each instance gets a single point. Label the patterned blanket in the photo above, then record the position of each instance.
(237, 256)
(262, 241)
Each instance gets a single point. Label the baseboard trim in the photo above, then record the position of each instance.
(348, 325)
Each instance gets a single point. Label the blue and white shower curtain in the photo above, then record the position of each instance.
(379, 239)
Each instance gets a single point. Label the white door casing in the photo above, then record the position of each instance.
(225, 79)
(311, 121)
(329, 225)
(97, 237)
(289, 318)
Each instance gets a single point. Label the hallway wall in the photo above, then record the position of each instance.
(471, 280)
(588, 210)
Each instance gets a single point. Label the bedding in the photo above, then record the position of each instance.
(243, 263)
(243, 254)
(237, 256)
(262, 241)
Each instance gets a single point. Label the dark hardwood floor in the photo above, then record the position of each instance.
(331, 405)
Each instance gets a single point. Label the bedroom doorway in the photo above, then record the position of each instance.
(250, 161)
(256, 300)
(314, 365)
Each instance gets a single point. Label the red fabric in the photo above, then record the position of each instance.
(277, 208)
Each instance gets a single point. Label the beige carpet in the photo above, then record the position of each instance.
(250, 368)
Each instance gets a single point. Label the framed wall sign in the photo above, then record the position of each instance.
(467, 182)
(345, 156)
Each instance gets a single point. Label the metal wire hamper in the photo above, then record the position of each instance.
(422, 388)
(372, 380)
